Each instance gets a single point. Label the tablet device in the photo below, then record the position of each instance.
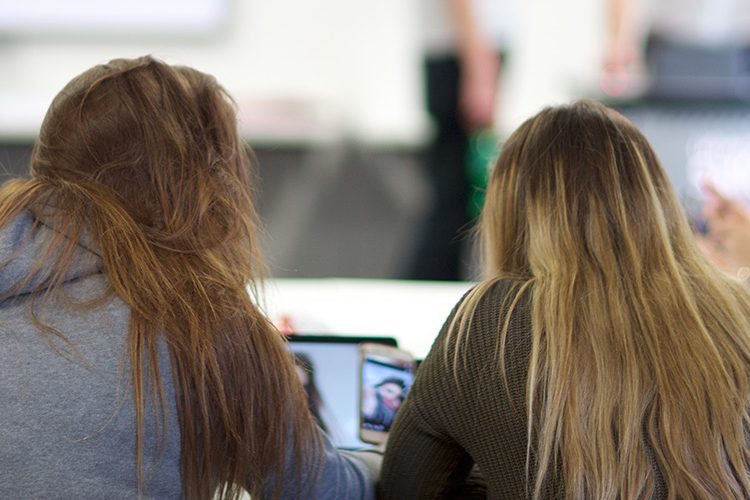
(328, 367)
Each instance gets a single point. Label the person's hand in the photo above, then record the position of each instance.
(728, 228)
(622, 55)
(480, 70)
(716, 253)
(622, 66)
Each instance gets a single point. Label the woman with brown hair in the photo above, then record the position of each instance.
(603, 356)
(135, 363)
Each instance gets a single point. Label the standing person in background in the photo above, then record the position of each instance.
(603, 356)
(463, 40)
(690, 48)
(134, 361)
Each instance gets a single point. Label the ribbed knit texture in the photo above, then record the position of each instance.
(447, 424)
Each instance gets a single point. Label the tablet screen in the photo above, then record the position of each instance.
(328, 370)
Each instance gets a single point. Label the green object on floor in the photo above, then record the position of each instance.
(484, 147)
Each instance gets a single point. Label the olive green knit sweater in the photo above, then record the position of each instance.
(447, 424)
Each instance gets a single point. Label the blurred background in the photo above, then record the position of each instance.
(332, 97)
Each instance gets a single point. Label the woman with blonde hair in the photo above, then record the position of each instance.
(603, 356)
(135, 362)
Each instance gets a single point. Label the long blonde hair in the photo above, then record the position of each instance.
(145, 160)
(640, 349)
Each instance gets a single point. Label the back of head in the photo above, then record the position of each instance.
(582, 179)
(640, 349)
(145, 159)
(161, 141)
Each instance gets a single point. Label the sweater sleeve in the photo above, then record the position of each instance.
(458, 414)
(422, 459)
(331, 473)
(344, 474)
(420, 463)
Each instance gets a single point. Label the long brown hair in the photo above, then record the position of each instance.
(640, 349)
(144, 159)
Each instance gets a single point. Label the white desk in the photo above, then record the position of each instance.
(410, 311)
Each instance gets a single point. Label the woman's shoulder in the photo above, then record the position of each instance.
(476, 322)
(495, 298)
(496, 312)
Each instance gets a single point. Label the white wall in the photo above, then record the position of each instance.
(555, 58)
(353, 65)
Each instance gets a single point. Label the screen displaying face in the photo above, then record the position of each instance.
(385, 383)
(328, 372)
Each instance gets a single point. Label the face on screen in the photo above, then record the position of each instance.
(385, 383)
(328, 372)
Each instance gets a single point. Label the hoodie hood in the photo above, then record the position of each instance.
(22, 243)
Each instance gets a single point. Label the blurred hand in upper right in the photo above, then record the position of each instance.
(728, 227)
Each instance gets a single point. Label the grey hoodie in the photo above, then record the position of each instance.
(67, 427)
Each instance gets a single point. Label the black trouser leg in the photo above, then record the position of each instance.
(438, 254)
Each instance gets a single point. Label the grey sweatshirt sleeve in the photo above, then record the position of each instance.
(346, 475)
